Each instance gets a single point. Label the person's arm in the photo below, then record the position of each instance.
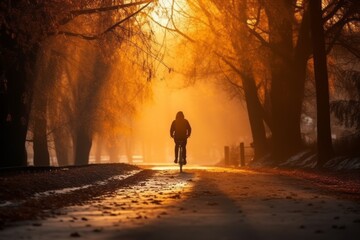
(172, 129)
(188, 129)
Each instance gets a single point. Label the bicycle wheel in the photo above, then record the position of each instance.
(181, 160)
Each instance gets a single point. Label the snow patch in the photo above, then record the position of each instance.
(304, 159)
(308, 159)
(344, 163)
(68, 190)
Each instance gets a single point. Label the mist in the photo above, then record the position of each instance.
(216, 121)
(105, 87)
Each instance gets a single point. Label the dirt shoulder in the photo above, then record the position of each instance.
(18, 189)
(21, 183)
(345, 183)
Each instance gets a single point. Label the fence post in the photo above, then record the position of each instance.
(227, 155)
(242, 155)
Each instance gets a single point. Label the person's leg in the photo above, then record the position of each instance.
(184, 147)
(176, 151)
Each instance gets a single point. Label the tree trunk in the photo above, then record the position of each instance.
(14, 115)
(254, 108)
(286, 85)
(324, 144)
(40, 144)
(255, 118)
(99, 147)
(41, 152)
(62, 147)
(113, 153)
(82, 146)
(16, 69)
(129, 149)
(88, 103)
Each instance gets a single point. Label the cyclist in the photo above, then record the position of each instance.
(180, 130)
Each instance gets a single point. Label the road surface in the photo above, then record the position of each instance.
(204, 203)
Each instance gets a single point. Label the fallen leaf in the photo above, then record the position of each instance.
(75, 234)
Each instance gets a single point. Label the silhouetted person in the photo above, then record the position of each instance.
(180, 130)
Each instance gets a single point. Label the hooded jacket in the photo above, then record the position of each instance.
(180, 128)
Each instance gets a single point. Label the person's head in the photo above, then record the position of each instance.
(180, 115)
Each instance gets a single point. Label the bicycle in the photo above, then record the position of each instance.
(181, 155)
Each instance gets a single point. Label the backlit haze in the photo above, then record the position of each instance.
(215, 120)
(141, 92)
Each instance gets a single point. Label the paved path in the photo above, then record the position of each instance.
(204, 203)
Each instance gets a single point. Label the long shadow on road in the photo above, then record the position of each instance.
(245, 205)
(203, 213)
(209, 203)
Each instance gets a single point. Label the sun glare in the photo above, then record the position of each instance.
(167, 11)
(162, 12)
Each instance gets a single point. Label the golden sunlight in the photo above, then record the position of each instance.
(209, 112)
(179, 119)
(162, 12)
(167, 13)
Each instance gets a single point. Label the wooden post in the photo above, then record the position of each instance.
(227, 155)
(242, 155)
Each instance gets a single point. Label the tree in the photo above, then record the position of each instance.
(38, 115)
(241, 40)
(24, 26)
(324, 144)
(287, 64)
(264, 36)
(227, 37)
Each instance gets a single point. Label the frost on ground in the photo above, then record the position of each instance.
(130, 205)
(25, 194)
(206, 203)
(308, 159)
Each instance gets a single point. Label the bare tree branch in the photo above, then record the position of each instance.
(337, 6)
(73, 14)
(335, 31)
(94, 37)
(172, 30)
(174, 25)
(352, 49)
(264, 114)
(266, 43)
